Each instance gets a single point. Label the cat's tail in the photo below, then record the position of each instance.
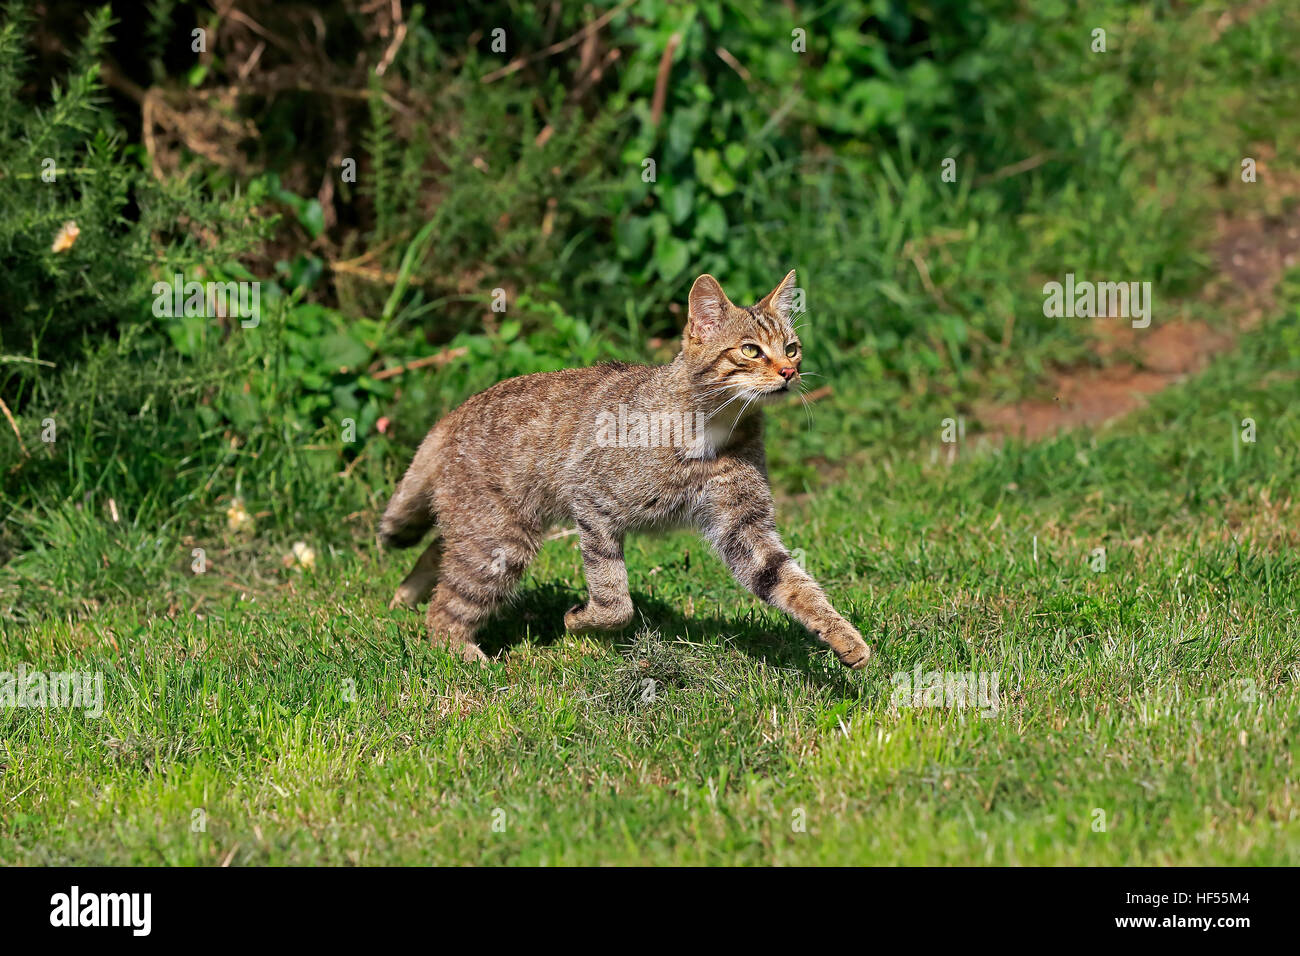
(410, 512)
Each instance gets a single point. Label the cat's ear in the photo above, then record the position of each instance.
(779, 300)
(706, 308)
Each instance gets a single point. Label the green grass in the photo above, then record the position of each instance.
(304, 722)
(309, 724)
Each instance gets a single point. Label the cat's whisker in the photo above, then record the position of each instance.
(752, 399)
(731, 390)
(741, 392)
(807, 405)
(729, 387)
(722, 387)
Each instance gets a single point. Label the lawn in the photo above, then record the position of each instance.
(1145, 713)
(1125, 592)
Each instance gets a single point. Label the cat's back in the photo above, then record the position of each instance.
(545, 400)
(516, 437)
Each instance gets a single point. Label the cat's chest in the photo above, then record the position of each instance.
(719, 433)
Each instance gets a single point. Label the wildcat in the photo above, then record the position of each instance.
(529, 452)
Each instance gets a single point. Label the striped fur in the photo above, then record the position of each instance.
(531, 452)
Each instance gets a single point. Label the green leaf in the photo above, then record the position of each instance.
(680, 202)
(710, 171)
(682, 127)
(241, 408)
(712, 221)
(345, 398)
(312, 217)
(632, 236)
(342, 351)
(672, 255)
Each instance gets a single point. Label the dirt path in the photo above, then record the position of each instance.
(1250, 256)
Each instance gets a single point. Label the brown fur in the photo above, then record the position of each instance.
(530, 452)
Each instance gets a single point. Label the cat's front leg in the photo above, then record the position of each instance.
(609, 602)
(740, 523)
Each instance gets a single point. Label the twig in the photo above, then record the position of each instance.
(260, 30)
(520, 62)
(111, 75)
(399, 34)
(584, 84)
(371, 275)
(269, 87)
(254, 58)
(347, 472)
(661, 81)
(915, 251)
(725, 55)
(440, 358)
(370, 253)
(14, 425)
(779, 114)
(1014, 169)
(596, 73)
(924, 271)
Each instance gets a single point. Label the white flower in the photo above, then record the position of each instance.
(304, 554)
(65, 237)
(237, 517)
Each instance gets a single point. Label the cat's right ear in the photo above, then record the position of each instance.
(706, 308)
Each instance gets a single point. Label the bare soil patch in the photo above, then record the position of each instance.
(1250, 256)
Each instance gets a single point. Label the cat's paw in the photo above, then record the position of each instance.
(578, 621)
(470, 652)
(853, 652)
(584, 618)
(404, 597)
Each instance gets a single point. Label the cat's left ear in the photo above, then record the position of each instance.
(780, 299)
(707, 308)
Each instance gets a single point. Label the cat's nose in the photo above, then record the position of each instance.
(788, 373)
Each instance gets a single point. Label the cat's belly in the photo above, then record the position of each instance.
(660, 521)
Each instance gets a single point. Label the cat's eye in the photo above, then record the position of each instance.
(792, 349)
(750, 350)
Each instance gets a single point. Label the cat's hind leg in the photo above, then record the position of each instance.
(418, 585)
(479, 570)
(609, 603)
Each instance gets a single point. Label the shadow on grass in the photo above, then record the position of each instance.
(538, 614)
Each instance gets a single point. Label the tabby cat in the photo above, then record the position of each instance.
(496, 473)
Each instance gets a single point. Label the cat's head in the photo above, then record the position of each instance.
(749, 354)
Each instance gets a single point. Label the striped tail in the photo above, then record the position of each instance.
(410, 513)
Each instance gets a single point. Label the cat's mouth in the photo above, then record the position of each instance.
(775, 394)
